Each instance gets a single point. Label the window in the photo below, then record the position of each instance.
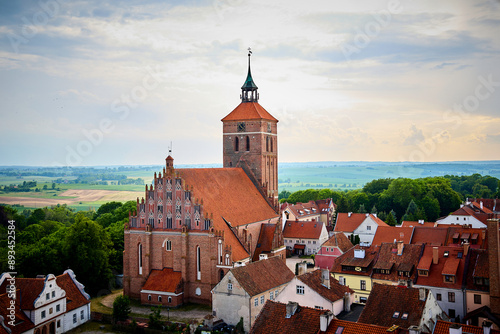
(438, 296)
(368, 228)
(51, 310)
(169, 300)
(74, 318)
(314, 242)
(362, 300)
(396, 314)
(341, 280)
(451, 297)
(339, 330)
(47, 296)
(248, 144)
(262, 300)
(58, 308)
(477, 299)
(53, 294)
(271, 295)
(149, 297)
(58, 323)
(276, 294)
(318, 307)
(300, 289)
(169, 222)
(81, 315)
(451, 313)
(159, 299)
(404, 316)
(363, 285)
(207, 224)
(198, 263)
(43, 315)
(449, 278)
(140, 259)
(230, 286)
(256, 302)
(236, 144)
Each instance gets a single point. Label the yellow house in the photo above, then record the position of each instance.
(354, 269)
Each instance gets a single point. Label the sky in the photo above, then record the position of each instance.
(86, 83)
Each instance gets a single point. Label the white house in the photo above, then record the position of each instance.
(304, 237)
(362, 224)
(318, 290)
(244, 290)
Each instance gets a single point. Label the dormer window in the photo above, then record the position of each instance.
(449, 278)
(423, 273)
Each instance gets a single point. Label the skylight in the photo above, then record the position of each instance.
(404, 316)
(339, 330)
(396, 314)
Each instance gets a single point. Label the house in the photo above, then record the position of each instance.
(360, 224)
(318, 290)
(386, 234)
(304, 237)
(320, 210)
(396, 263)
(244, 290)
(200, 222)
(471, 214)
(337, 245)
(402, 306)
(441, 270)
(477, 281)
(446, 327)
(279, 318)
(354, 269)
(50, 304)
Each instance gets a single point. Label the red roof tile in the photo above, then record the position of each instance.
(260, 276)
(391, 233)
(350, 327)
(436, 271)
(228, 194)
(346, 223)
(347, 260)
(478, 268)
(265, 242)
(443, 327)
(272, 319)
(338, 239)
(75, 297)
(22, 322)
(408, 223)
(429, 235)
(248, 111)
(303, 229)
(165, 280)
(451, 266)
(379, 311)
(29, 289)
(334, 293)
(407, 261)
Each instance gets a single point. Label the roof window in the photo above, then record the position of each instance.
(396, 315)
(339, 330)
(404, 316)
(446, 253)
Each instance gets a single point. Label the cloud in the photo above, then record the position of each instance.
(415, 136)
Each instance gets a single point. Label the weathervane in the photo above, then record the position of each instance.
(170, 149)
(249, 51)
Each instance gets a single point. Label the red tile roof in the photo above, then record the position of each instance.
(407, 261)
(338, 239)
(349, 224)
(355, 328)
(348, 259)
(473, 235)
(249, 111)
(334, 293)
(303, 229)
(445, 266)
(29, 289)
(265, 242)
(165, 280)
(228, 194)
(75, 297)
(478, 268)
(379, 311)
(263, 275)
(443, 327)
(408, 223)
(435, 236)
(272, 319)
(391, 233)
(22, 322)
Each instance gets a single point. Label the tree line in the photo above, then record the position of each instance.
(51, 240)
(395, 200)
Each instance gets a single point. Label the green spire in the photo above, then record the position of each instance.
(249, 88)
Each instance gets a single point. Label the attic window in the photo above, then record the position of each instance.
(339, 330)
(404, 316)
(460, 255)
(396, 315)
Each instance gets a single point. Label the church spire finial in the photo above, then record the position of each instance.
(249, 88)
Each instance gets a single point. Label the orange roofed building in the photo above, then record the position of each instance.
(197, 223)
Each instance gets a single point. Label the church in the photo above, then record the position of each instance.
(195, 224)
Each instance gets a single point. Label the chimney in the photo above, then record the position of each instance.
(455, 328)
(466, 248)
(413, 329)
(291, 307)
(324, 320)
(421, 221)
(400, 248)
(302, 268)
(422, 294)
(349, 214)
(435, 255)
(493, 257)
(487, 327)
(325, 277)
(481, 205)
(347, 302)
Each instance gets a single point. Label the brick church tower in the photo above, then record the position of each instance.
(250, 141)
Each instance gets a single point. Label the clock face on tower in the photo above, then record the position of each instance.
(241, 127)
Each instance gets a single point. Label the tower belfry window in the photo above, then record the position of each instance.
(236, 144)
(248, 144)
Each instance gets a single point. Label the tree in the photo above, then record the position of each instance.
(391, 218)
(284, 194)
(377, 186)
(87, 247)
(374, 210)
(121, 308)
(155, 318)
(361, 208)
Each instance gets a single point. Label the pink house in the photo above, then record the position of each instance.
(337, 245)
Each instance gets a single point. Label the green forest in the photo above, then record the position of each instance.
(50, 240)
